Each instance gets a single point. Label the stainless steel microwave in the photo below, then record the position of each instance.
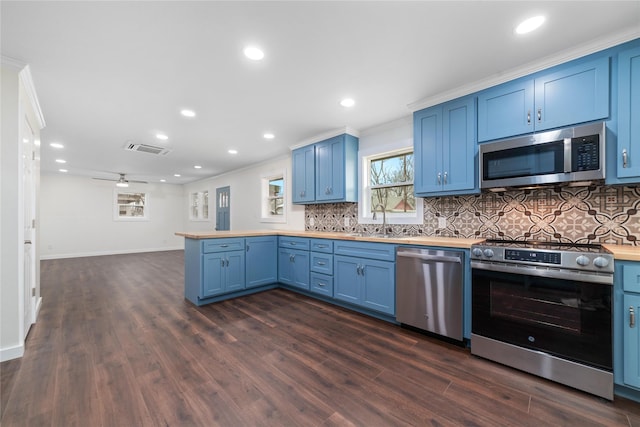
(559, 156)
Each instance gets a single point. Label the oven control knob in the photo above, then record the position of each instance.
(583, 261)
(477, 252)
(601, 262)
(488, 253)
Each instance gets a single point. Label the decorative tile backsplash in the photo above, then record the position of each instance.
(603, 214)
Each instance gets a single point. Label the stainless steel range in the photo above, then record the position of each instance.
(545, 308)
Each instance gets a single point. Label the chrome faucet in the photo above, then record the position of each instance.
(384, 217)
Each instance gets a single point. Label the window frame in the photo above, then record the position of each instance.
(199, 196)
(365, 216)
(266, 198)
(116, 206)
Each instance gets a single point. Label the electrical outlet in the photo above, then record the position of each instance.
(347, 222)
(442, 222)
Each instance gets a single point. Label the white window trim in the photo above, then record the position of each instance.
(201, 197)
(364, 212)
(116, 211)
(265, 216)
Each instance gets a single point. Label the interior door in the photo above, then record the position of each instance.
(223, 208)
(28, 190)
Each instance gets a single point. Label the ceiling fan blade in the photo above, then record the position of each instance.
(137, 182)
(106, 179)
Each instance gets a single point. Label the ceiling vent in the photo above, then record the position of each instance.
(144, 148)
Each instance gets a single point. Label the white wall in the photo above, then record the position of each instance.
(245, 185)
(77, 218)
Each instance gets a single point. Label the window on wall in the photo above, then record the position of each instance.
(199, 206)
(273, 200)
(131, 206)
(388, 184)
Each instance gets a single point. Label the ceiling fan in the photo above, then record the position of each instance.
(122, 181)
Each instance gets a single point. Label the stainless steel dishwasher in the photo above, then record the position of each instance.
(429, 290)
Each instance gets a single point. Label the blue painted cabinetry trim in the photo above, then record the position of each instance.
(626, 338)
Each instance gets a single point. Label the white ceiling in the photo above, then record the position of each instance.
(111, 72)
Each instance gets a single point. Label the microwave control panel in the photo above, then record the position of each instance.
(585, 153)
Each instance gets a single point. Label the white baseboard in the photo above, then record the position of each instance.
(119, 252)
(11, 353)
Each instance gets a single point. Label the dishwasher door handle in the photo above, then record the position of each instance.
(431, 258)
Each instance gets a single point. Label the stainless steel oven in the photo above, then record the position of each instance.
(545, 308)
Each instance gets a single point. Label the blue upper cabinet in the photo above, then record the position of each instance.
(333, 171)
(445, 148)
(304, 175)
(571, 94)
(628, 149)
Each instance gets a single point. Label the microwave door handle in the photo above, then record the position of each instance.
(567, 155)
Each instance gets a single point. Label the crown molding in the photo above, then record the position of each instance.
(27, 82)
(529, 68)
(326, 135)
(12, 63)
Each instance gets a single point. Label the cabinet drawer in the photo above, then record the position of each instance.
(322, 263)
(322, 245)
(294, 242)
(322, 284)
(631, 277)
(381, 251)
(222, 245)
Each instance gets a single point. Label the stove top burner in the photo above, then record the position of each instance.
(547, 245)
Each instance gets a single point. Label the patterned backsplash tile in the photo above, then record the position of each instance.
(603, 214)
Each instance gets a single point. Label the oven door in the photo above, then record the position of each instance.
(566, 318)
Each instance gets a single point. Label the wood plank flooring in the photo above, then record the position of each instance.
(116, 344)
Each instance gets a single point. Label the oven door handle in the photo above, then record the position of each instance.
(531, 270)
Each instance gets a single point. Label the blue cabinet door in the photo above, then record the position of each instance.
(212, 274)
(628, 153)
(506, 110)
(293, 267)
(346, 286)
(261, 261)
(631, 340)
(285, 271)
(330, 169)
(427, 148)
(234, 271)
(303, 184)
(379, 290)
(459, 148)
(575, 94)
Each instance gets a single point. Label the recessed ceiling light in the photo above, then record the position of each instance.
(60, 161)
(162, 136)
(233, 151)
(188, 113)
(177, 175)
(163, 180)
(253, 53)
(347, 102)
(63, 170)
(197, 167)
(56, 145)
(530, 24)
(268, 136)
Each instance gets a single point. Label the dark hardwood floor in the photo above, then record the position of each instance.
(117, 345)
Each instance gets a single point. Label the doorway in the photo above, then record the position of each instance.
(29, 219)
(223, 208)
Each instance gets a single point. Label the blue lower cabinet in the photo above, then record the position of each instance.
(222, 272)
(631, 340)
(322, 284)
(261, 261)
(293, 267)
(365, 282)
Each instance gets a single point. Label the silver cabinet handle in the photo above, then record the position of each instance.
(445, 178)
(292, 243)
(293, 257)
(247, 247)
(632, 317)
(529, 117)
(224, 246)
(322, 263)
(539, 114)
(358, 270)
(439, 178)
(625, 158)
(290, 258)
(221, 263)
(322, 284)
(362, 270)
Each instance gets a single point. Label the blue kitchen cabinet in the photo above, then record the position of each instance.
(631, 340)
(333, 172)
(293, 264)
(569, 94)
(261, 261)
(223, 272)
(626, 331)
(303, 184)
(445, 149)
(628, 148)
